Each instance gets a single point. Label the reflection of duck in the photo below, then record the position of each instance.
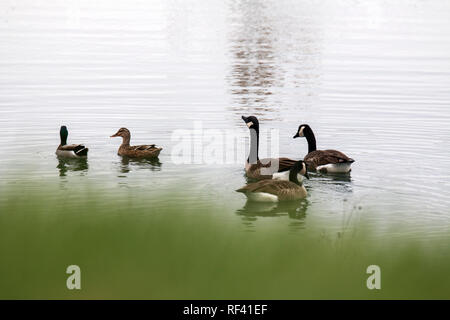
(295, 210)
(141, 151)
(325, 161)
(264, 168)
(278, 190)
(69, 150)
(67, 164)
(153, 164)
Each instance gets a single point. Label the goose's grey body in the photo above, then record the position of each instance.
(273, 191)
(325, 161)
(260, 169)
(278, 190)
(328, 161)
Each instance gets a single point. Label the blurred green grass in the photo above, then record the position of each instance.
(129, 250)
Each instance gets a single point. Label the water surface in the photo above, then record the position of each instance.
(371, 78)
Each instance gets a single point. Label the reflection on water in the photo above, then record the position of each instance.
(127, 163)
(264, 71)
(371, 77)
(253, 72)
(293, 209)
(341, 182)
(76, 165)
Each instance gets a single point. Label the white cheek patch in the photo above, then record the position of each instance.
(303, 169)
(249, 124)
(300, 132)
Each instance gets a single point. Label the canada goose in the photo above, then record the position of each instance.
(65, 150)
(325, 161)
(141, 151)
(264, 168)
(278, 190)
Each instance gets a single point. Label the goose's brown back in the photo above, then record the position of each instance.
(284, 190)
(263, 168)
(323, 157)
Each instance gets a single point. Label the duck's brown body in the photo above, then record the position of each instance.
(141, 151)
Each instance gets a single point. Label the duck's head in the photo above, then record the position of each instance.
(251, 122)
(301, 168)
(122, 132)
(302, 129)
(63, 133)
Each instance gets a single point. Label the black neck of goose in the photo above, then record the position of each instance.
(254, 146)
(309, 135)
(293, 176)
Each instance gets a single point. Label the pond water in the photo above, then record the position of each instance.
(371, 78)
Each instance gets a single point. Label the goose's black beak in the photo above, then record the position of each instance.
(244, 118)
(296, 136)
(307, 175)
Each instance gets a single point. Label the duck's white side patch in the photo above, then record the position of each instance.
(66, 154)
(261, 197)
(335, 167)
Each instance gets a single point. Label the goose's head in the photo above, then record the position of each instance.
(302, 129)
(122, 132)
(299, 168)
(251, 122)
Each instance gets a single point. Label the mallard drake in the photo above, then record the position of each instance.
(141, 151)
(264, 168)
(325, 161)
(69, 150)
(278, 190)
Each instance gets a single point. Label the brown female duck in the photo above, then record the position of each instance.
(141, 151)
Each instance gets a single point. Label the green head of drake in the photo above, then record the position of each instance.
(63, 133)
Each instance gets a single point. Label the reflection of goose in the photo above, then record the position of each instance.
(67, 164)
(141, 151)
(264, 168)
(69, 150)
(278, 190)
(325, 161)
(295, 210)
